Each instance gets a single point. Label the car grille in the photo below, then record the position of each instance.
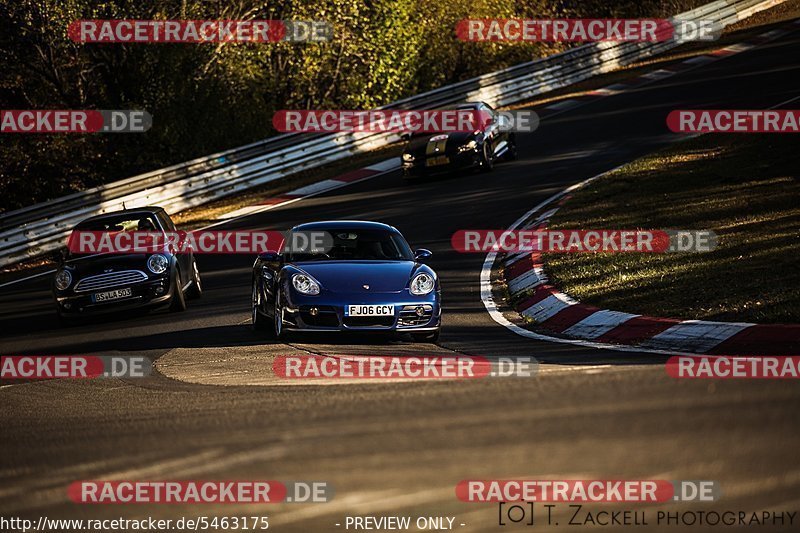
(110, 280)
(409, 317)
(368, 321)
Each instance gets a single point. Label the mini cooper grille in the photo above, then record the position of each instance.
(110, 280)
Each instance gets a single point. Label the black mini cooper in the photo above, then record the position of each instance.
(89, 284)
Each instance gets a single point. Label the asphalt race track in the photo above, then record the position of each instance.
(212, 411)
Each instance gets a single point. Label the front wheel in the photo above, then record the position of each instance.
(277, 318)
(67, 321)
(260, 322)
(195, 291)
(409, 178)
(487, 161)
(178, 301)
(512, 154)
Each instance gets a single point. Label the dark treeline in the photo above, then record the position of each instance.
(210, 97)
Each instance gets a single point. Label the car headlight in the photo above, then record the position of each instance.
(422, 284)
(408, 157)
(63, 280)
(471, 145)
(305, 284)
(157, 264)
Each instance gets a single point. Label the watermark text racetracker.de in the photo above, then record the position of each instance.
(587, 30)
(29, 367)
(402, 367)
(199, 492)
(199, 242)
(74, 121)
(403, 120)
(479, 491)
(200, 31)
(583, 241)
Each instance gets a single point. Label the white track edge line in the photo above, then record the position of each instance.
(496, 315)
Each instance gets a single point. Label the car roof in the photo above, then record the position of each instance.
(344, 224)
(148, 210)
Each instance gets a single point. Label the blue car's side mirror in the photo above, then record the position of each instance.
(422, 253)
(270, 257)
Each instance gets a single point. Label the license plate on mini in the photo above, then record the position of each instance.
(112, 295)
(369, 310)
(437, 161)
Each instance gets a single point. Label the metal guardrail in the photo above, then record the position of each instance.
(41, 228)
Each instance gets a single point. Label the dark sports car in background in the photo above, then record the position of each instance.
(369, 280)
(88, 284)
(441, 152)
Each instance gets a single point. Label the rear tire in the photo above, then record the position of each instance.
(178, 300)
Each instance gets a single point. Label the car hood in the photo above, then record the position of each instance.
(454, 140)
(98, 264)
(351, 276)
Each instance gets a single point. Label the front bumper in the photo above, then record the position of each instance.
(321, 313)
(422, 165)
(153, 292)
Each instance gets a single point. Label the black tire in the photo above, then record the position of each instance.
(409, 179)
(67, 321)
(277, 318)
(426, 337)
(178, 301)
(512, 154)
(260, 322)
(487, 163)
(195, 291)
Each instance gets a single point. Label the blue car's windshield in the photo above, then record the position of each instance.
(360, 245)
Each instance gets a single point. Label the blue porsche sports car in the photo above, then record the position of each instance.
(367, 279)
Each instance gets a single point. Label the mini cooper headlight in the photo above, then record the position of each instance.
(63, 280)
(408, 157)
(471, 145)
(157, 264)
(422, 284)
(305, 284)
